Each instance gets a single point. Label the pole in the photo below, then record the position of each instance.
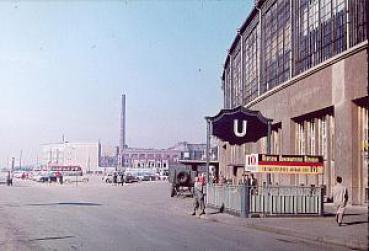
(20, 160)
(13, 164)
(207, 148)
(269, 149)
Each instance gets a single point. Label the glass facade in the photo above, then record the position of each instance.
(250, 45)
(290, 38)
(276, 35)
(236, 76)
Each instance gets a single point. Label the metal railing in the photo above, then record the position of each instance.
(272, 200)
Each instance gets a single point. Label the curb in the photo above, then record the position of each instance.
(351, 244)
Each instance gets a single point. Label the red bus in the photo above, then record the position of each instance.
(65, 170)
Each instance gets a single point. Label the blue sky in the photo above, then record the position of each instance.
(65, 64)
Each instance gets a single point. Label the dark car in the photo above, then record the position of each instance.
(129, 177)
(148, 176)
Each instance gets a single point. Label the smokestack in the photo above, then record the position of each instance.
(122, 139)
(122, 142)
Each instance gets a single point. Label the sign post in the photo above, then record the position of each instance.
(238, 126)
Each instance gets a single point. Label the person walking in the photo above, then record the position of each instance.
(9, 180)
(115, 178)
(340, 198)
(122, 178)
(198, 196)
(254, 184)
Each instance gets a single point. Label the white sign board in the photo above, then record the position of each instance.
(251, 164)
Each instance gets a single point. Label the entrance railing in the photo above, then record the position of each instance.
(271, 200)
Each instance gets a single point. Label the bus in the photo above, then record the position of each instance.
(65, 170)
(69, 173)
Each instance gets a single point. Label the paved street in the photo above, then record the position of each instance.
(139, 216)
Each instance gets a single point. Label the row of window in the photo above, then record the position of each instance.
(293, 37)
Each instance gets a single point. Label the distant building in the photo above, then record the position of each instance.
(158, 158)
(163, 158)
(109, 156)
(190, 151)
(86, 155)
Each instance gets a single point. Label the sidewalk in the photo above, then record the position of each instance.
(352, 234)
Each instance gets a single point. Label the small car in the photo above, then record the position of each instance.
(129, 177)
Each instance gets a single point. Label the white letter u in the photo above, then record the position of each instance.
(235, 128)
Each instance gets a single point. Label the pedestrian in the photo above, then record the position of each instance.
(9, 180)
(215, 179)
(122, 178)
(115, 179)
(245, 180)
(222, 180)
(198, 196)
(254, 184)
(57, 176)
(340, 198)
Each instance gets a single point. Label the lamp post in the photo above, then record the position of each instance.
(269, 149)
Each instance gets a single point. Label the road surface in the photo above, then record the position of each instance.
(138, 216)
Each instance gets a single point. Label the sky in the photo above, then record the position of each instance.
(65, 64)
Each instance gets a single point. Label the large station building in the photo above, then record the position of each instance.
(304, 64)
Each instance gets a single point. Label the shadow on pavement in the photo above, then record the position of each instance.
(216, 212)
(53, 238)
(333, 214)
(184, 196)
(65, 204)
(354, 223)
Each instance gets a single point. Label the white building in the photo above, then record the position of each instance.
(86, 155)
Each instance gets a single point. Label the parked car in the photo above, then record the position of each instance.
(108, 178)
(40, 177)
(18, 174)
(149, 176)
(164, 175)
(130, 177)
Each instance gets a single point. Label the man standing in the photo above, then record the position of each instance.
(340, 198)
(122, 178)
(198, 196)
(245, 180)
(254, 184)
(115, 178)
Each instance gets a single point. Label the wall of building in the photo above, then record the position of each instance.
(310, 76)
(155, 158)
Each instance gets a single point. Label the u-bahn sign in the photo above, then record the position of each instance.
(288, 164)
(239, 125)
